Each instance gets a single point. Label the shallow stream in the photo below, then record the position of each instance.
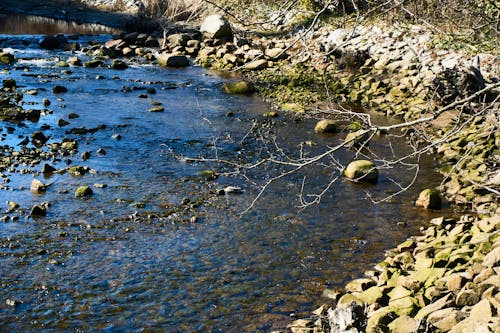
(157, 248)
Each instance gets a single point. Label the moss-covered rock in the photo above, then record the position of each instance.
(325, 126)
(430, 199)
(362, 170)
(83, 191)
(238, 87)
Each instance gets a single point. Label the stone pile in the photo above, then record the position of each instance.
(446, 280)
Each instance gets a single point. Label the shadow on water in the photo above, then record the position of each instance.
(156, 248)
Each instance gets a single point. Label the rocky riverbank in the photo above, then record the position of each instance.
(446, 279)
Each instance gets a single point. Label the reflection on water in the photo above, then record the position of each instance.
(27, 24)
(124, 260)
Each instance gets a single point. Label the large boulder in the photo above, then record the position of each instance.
(362, 170)
(53, 42)
(170, 60)
(216, 27)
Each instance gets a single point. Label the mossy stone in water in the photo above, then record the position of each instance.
(6, 58)
(83, 191)
(362, 170)
(239, 87)
(326, 126)
(429, 199)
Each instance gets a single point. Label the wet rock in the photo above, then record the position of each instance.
(326, 126)
(6, 58)
(62, 63)
(38, 138)
(362, 170)
(238, 87)
(83, 191)
(45, 101)
(38, 210)
(118, 64)
(170, 60)
(74, 61)
(156, 109)
(93, 63)
(59, 89)
(37, 187)
(48, 169)
(12, 206)
(357, 138)
(216, 27)
(430, 199)
(62, 122)
(53, 42)
(9, 83)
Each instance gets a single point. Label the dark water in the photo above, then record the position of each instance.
(131, 258)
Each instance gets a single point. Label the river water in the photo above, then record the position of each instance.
(156, 248)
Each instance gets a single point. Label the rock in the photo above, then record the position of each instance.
(443, 302)
(119, 64)
(470, 325)
(74, 61)
(48, 169)
(482, 311)
(156, 109)
(358, 138)
(216, 27)
(326, 126)
(83, 191)
(429, 199)
(362, 170)
(403, 324)
(38, 210)
(359, 285)
(53, 42)
(467, 297)
(62, 122)
(45, 101)
(6, 58)
(9, 83)
(349, 318)
(178, 40)
(238, 87)
(256, 65)
(38, 138)
(37, 187)
(62, 63)
(59, 89)
(379, 320)
(170, 60)
(371, 295)
(445, 319)
(492, 258)
(93, 63)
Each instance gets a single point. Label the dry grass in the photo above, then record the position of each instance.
(174, 10)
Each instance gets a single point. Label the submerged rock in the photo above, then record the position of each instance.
(38, 210)
(362, 170)
(53, 42)
(239, 87)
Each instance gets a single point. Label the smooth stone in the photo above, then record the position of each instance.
(326, 126)
(83, 191)
(238, 87)
(362, 170)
